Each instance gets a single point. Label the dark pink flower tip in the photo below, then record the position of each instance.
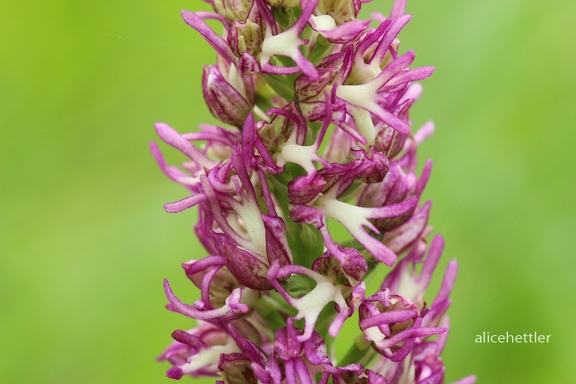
(174, 373)
(190, 340)
(185, 203)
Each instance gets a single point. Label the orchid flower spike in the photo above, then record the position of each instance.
(315, 130)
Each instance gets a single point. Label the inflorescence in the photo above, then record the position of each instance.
(316, 107)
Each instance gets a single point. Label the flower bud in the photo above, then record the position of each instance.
(232, 9)
(276, 133)
(340, 10)
(389, 141)
(245, 37)
(223, 100)
(246, 266)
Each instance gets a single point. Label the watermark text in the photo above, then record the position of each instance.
(512, 338)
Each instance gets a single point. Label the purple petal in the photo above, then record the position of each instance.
(315, 350)
(425, 131)
(173, 138)
(185, 338)
(266, 13)
(304, 374)
(447, 283)
(219, 44)
(285, 346)
(372, 37)
(344, 33)
(225, 312)
(424, 176)
(388, 37)
(185, 203)
(248, 64)
(306, 214)
(398, 9)
(410, 76)
(172, 172)
(273, 369)
(394, 68)
(333, 69)
(410, 333)
(434, 253)
(254, 353)
(387, 318)
(307, 11)
(399, 239)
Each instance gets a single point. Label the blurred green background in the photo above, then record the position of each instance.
(85, 243)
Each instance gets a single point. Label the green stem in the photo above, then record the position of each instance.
(360, 352)
(281, 85)
(304, 240)
(274, 310)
